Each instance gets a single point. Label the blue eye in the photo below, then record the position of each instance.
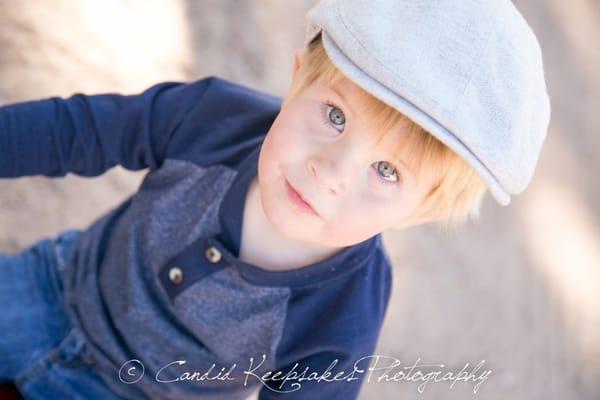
(333, 115)
(387, 171)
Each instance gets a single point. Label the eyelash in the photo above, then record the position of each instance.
(328, 123)
(324, 115)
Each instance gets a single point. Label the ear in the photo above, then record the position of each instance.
(297, 65)
(297, 61)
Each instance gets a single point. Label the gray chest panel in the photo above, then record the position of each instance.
(120, 303)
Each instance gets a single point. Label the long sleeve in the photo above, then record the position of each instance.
(87, 135)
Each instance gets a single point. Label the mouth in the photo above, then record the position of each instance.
(300, 201)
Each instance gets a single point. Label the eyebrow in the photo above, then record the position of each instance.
(344, 100)
(398, 159)
(405, 165)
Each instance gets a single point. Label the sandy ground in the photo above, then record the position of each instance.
(518, 290)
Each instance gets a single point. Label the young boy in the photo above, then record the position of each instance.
(251, 258)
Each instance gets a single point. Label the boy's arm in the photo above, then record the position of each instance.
(87, 135)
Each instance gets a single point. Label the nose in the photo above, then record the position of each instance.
(332, 172)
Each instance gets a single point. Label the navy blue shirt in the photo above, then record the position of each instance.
(158, 278)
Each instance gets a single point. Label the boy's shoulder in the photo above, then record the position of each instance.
(242, 91)
(224, 122)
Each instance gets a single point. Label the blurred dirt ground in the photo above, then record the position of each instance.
(518, 290)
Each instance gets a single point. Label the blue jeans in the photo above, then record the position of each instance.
(40, 350)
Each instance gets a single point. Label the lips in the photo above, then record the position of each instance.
(299, 199)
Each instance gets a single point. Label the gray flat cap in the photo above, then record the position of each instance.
(468, 71)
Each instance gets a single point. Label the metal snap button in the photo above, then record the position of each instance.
(176, 275)
(212, 254)
(89, 359)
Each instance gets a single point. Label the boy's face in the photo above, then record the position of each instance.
(320, 146)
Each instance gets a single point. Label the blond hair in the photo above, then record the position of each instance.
(458, 192)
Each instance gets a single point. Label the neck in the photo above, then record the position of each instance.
(264, 246)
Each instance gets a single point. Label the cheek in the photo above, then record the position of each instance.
(276, 151)
(279, 142)
(377, 214)
(287, 142)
